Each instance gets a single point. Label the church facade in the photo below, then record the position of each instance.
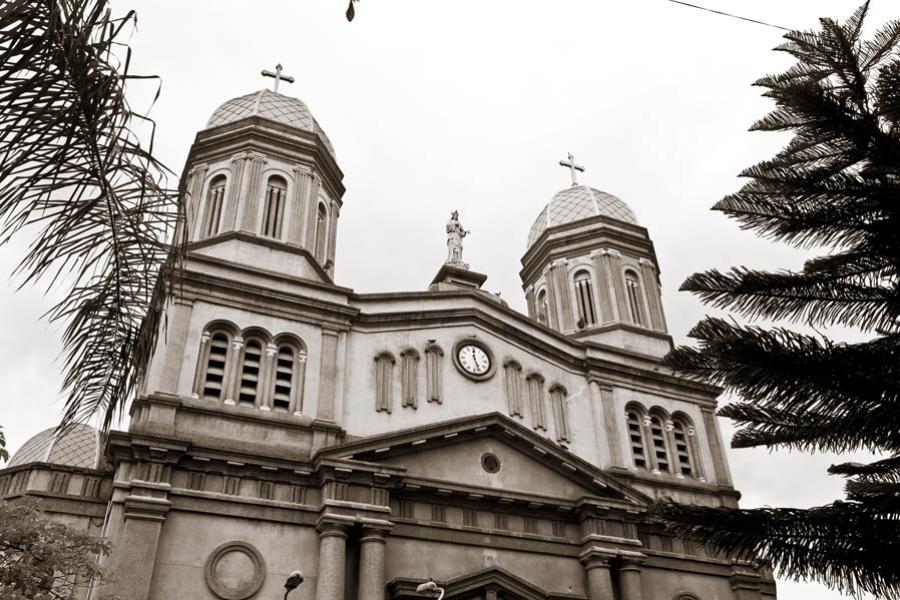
(377, 441)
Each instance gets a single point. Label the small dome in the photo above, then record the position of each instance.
(576, 203)
(79, 447)
(269, 105)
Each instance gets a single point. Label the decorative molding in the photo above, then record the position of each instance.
(246, 588)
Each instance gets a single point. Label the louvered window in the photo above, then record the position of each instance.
(584, 296)
(635, 298)
(215, 199)
(273, 210)
(214, 376)
(250, 371)
(685, 464)
(636, 436)
(285, 361)
(658, 436)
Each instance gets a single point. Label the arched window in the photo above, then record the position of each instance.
(543, 308)
(273, 209)
(684, 465)
(251, 363)
(660, 448)
(211, 382)
(434, 375)
(321, 231)
(513, 373)
(384, 382)
(584, 299)
(560, 412)
(215, 199)
(287, 383)
(636, 437)
(635, 298)
(536, 399)
(409, 378)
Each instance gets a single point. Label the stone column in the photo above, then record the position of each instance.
(327, 375)
(723, 477)
(233, 197)
(232, 376)
(195, 204)
(552, 303)
(603, 283)
(614, 266)
(611, 425)
(651, 285)
(332, 561)
(330, 251)
(371, 564)
(630, 579)
(312, 210)
(649, 446)
(267, 378)
(298, 213)
(560, 278)
(696, 456)
(250, 206)
(599, 579)
(202, 359)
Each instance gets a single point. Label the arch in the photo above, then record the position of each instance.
(559, 406)
(273, 207)
(214, 205)
(634, 418)
(684, 447)
(256, 331)
(287, 374)
(320, 237)
(434, 373)
(409, 378)
(250, 372)
(584, 297)
(635, 297)
(384, 381)
(512, 371)
(214, 360)
(660, 425)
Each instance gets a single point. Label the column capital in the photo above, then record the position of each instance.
(559, 262)
(595, 562)
(238, 156)
(332, 528)
(631, 562)
(257, 156)
(646, 262)
(301, 170)
(376, 535)
(199, 168)
(612, 252)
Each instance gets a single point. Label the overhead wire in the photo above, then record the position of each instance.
(719, 12)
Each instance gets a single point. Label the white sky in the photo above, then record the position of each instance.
(469, 105)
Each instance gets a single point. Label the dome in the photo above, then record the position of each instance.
(79, 447)
(576, 203)
(269, 105)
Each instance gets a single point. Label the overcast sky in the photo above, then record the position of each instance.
(469, 105)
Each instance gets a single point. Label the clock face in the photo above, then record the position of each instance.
(473, 359)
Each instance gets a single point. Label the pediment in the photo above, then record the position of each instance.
(449, 456)
(489, 584)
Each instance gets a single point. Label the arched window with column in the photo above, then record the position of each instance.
(584, 299)
(543, 308)
(321, 231)
(634, 418)
(288, 375)
(660, 449)
(250, 370)
(212, 212)
(635, 298)
(215, 351)
(273, 207)
(684, 447)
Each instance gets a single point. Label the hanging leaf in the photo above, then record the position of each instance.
(350, 11)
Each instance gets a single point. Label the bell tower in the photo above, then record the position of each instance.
(263, 187)
(590, 271)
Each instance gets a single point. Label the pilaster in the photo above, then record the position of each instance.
(603, 283)
(651, 285)
(231, 377)
(614, 268)
(299, 213)
(334, 214)
(196, 202)
(249, 209)
(328, 376)
(312, 208)
(267, 378)
(233, 197)
(564, 299)
(723, 477)
(552, 305)
(611, 424)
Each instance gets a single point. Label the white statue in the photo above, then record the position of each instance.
(455, 235)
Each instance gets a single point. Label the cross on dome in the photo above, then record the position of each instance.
(277, 76)
(570, 164)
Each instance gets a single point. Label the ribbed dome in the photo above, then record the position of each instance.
(576, 203)
(79, 447)
(269, 105)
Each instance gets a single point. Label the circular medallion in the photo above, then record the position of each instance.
(473, 359)
(235, 570)
(490, 462)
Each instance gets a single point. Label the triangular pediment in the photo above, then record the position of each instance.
(493, 583)
(454, 456)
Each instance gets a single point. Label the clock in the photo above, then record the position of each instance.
(474, 360)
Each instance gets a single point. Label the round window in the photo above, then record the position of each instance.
(490, 463)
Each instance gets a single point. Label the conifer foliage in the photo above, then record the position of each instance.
(834, 189)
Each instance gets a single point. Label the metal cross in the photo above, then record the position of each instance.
(570, 163)
(277, 76)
